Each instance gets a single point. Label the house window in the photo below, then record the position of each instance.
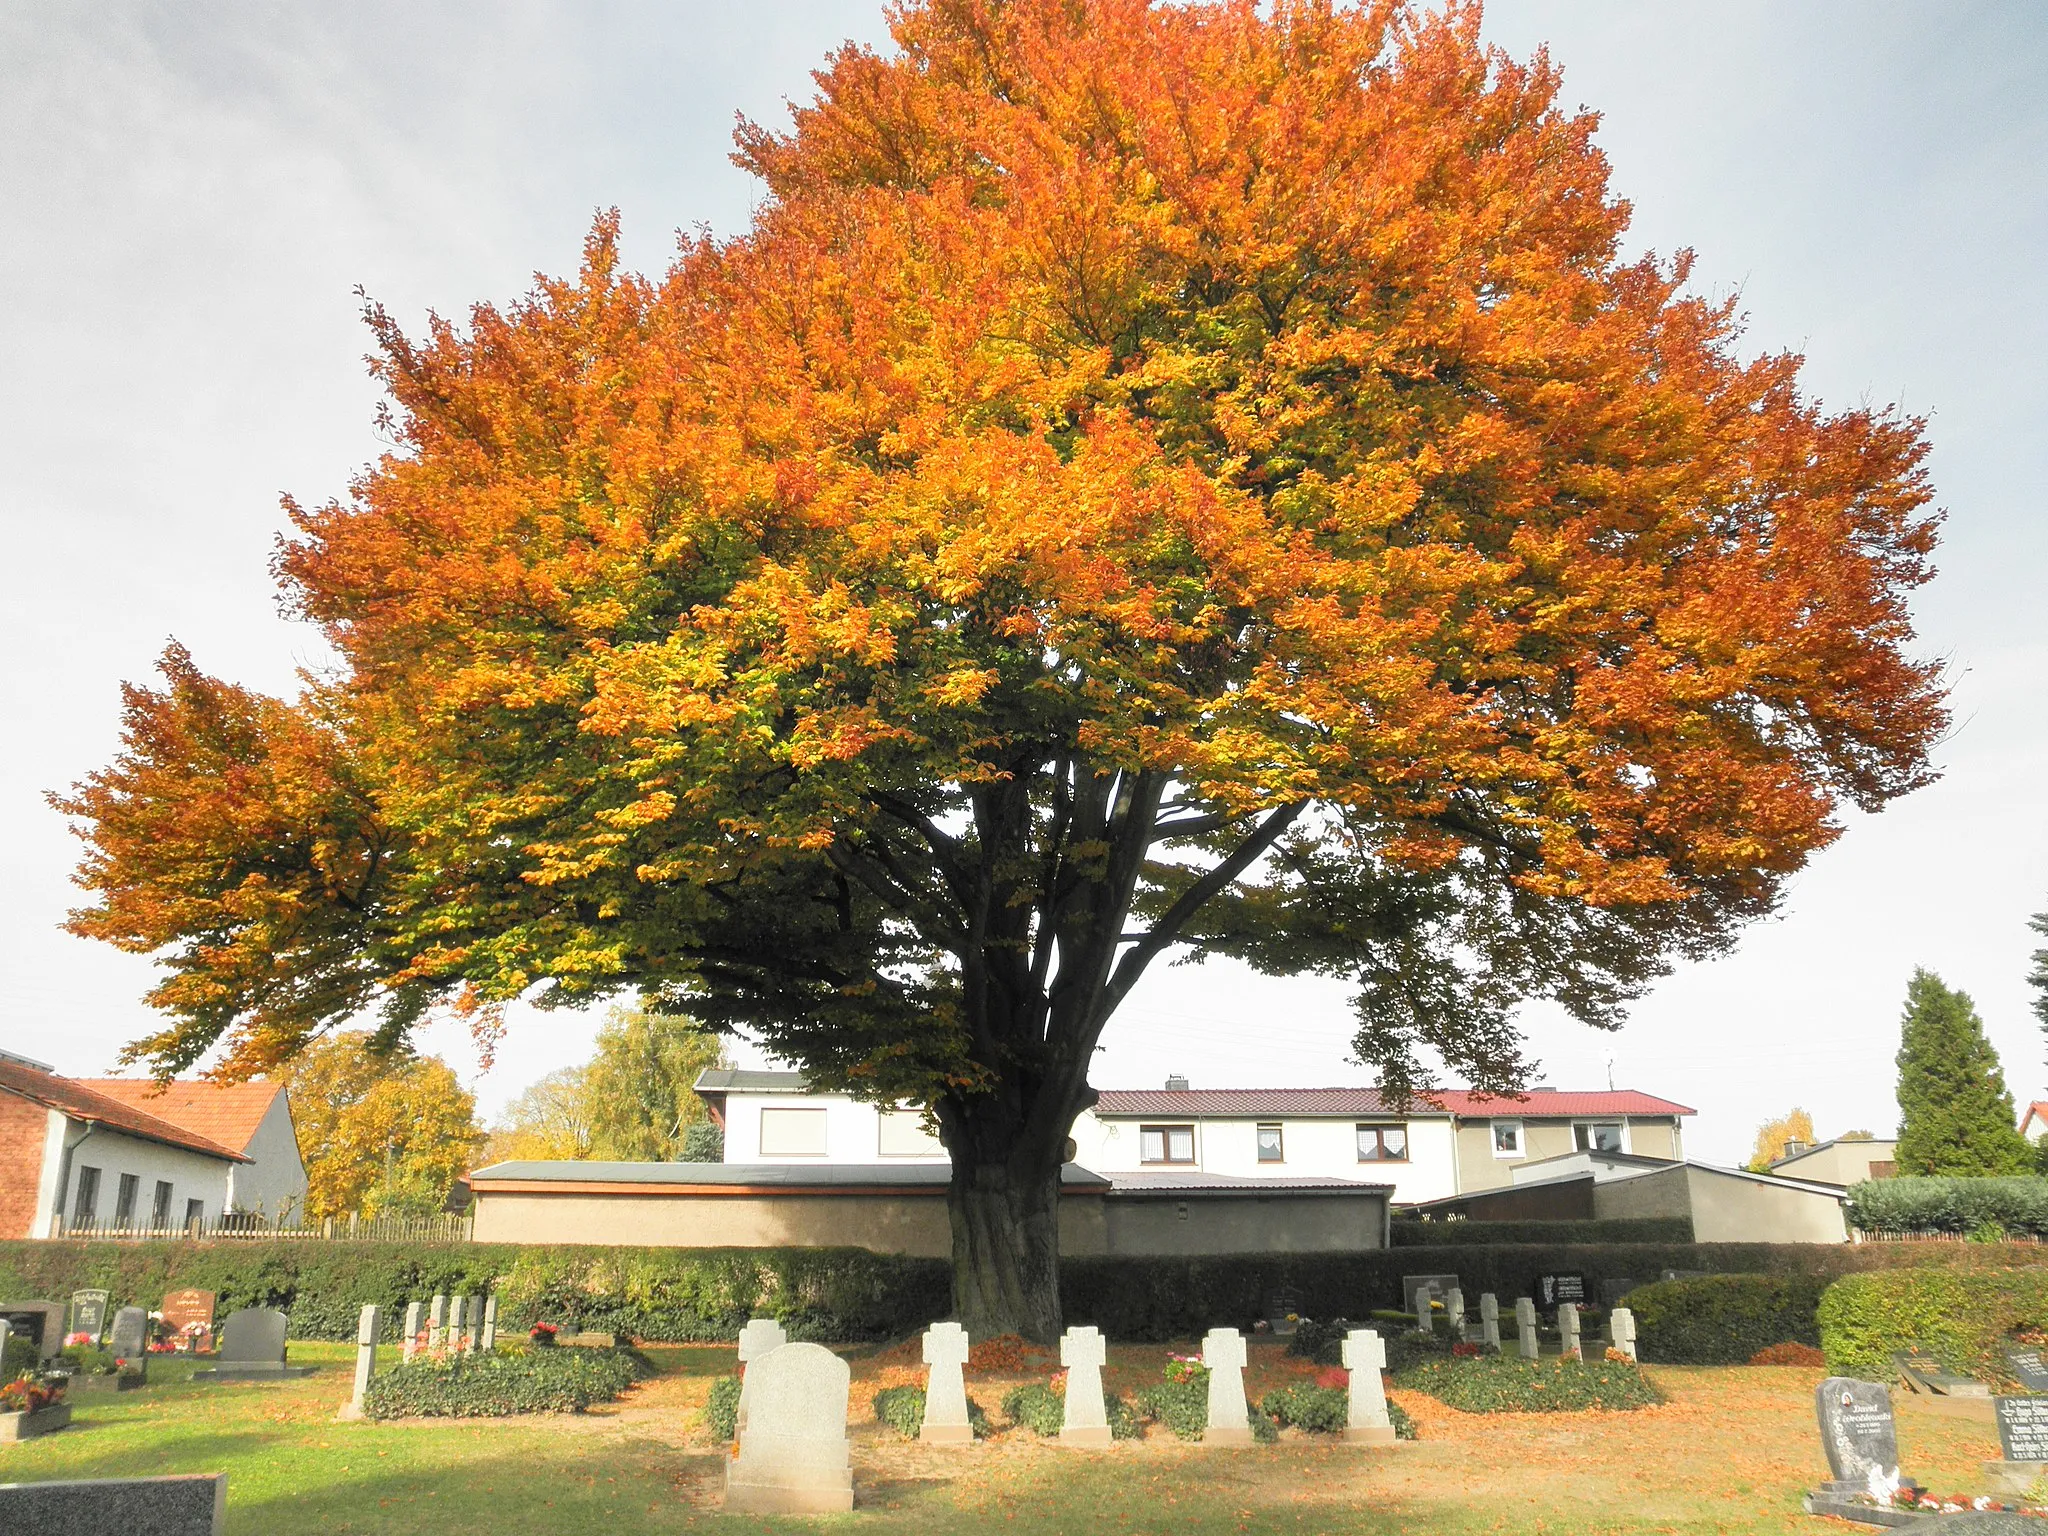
(124, 1199)
(85, 1210)
(1600, 1136)
(160, 1207)
(902, 1134)
(1383, 1143)
(1270, 1147)
(1507, 1138)
(792, 1133)
(195, 1215)
(1166, 1143)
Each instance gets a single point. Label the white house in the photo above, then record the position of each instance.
(75, 1159)
(1455, 1142)
(253, 1118)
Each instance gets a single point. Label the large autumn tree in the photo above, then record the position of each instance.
(1153, 480)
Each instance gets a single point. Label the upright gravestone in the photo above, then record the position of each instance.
(1489, 1321)
(792, 1458)
(1086, 1420)
(1454, 1313)
(1857, 1431)
(437, 1323)
(1525, 1328)
(458, 1323)
(42, 1321)
(129, 1339)
(1365, 1357)
(945, 1388)
(1422, 1306)
(188, 1314)
(369, 1324)
(488, 1343)
(88, 1315)
(2029, 1367)
(1621, 1331)
(412, 1329)
(1223, 1354)
(1568, 1330)
(758, 1338)
(2023, 1428)
(252, 1348)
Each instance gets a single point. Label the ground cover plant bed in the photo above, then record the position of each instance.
(497, 1385)
(1509, 1384)
(902, 1409)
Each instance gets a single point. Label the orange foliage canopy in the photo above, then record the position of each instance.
(1151, 476)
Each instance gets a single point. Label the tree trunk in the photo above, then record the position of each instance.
(1004, 1204)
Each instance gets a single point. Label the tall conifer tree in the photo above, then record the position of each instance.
(1957, 1114)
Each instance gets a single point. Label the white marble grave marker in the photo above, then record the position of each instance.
(792, 1458)
(1489, 1321)
(437, 1323)
(1621, 1331)
(945, 1389)
(490, 1338)
(1454, 1309)
(1223, 1353)
(1568, 1329)
(1365, 1356)
(458, 1323)
(412, 1329)
(368, 1325)
(1086, 1422)
(761, 1335)
(1525, 1328)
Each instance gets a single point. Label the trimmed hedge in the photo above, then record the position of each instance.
(1994, 1207)
(722, 1408)
(1508, 1384)
(1466, 1233)
(492, 1386)
(1724, 1319)
(1964, 1318)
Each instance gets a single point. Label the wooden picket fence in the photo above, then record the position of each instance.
(441, 1227)
(1935, 1237)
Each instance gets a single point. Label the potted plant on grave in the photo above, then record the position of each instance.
(31, 1406)
(542, 1335)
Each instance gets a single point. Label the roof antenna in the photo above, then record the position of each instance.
(1610, 1074)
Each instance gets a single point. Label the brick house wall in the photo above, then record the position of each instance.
(24, 1130)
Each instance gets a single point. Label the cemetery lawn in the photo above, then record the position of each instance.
(1730, 1451)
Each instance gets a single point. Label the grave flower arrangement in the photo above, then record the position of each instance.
(1185, 1369)
(29, 1394)
(542, 1335)
(1911, 1496)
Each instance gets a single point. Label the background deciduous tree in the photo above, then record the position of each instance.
(1772, 1135)
(633, 1101)
(381, 1133)
(1957, 1116)
(1154, 480)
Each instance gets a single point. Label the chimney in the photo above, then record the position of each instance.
(1176, 1084)
(1793, 1147)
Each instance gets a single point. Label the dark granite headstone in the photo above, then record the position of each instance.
(1924, 1373)
(252, 1348)
(1552, 1289)
(2029, 1367)
(134, 1506)
(1856, 1429)
(88, 1313)
(2022, 1427)
(129, 1337)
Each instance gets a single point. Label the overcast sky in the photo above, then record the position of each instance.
(190, 195)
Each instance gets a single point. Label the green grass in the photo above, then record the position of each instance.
(1729, 1452)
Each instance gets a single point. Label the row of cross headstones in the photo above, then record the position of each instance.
(1621, 1323)
(469, 1325)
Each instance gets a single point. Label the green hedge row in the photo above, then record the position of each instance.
(1963, 1317)
(1993, 1206)
(833, 1294)
(1724, 1319)
(1461, 1234)
(1508, 1384)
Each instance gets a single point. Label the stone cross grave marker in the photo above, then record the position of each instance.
(1525, 1327)
(412, 1329)
(1365, 1356)
(129, 1337)
(945, 1388)
(1857, 1431)
(2029, 1367)
(760, 1335)
(1086, 1420)
(369, 1324)
(1568, 1330)
(489, 1341)
(458, 1323)
(1621, 1331)
(1454, 1310)
(1422, 1303)
(183, 1309)
(2022, 1428)
(792, 1458)
(476, 1324)
(437, 1322)
(1229, 1423)
(88, 1314)
(1489, 1321)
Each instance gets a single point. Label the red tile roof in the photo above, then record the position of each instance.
(1462, 1102)
(83, 1102)
(227, 1113)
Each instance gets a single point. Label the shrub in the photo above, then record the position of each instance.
(20, 1357)
(1964, 1318)
(1322, 1342)
(1458, 1234)
(1404, 1424)
(492, 1386)
(85, 1360)
(1789, 1354)
(1724, 1319)
(1182, 1406)
(1991, 1206)
(722, 1408)
(902, 1409)
(1321, 1410)
(1036, 1407)
(1507, 1384)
